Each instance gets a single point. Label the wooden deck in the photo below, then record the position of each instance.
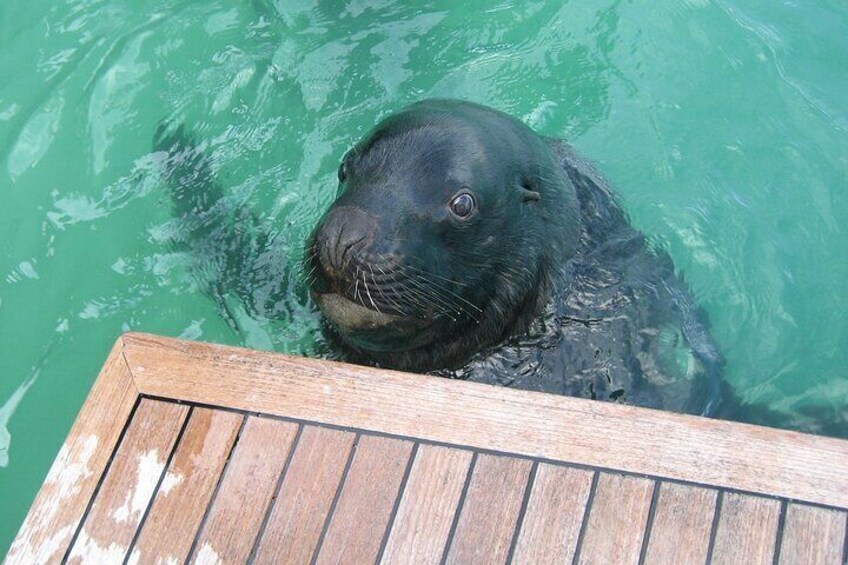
(185, 452)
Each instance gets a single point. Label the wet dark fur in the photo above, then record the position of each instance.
(604, 323)
(617, 317)
(567, 297)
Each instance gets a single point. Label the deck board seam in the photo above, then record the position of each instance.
(214, 496)
(714, 526)
(781, 526)
(652, 511)
(497, 453)
(396, 505)
(273, 502)
(845, 543)
(101, 479)
(585, 520)
(156, 489)
(331, 513)
(128, 367)
(522, 511)
(459, 506)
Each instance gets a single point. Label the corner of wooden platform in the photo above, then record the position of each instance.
(76, 471)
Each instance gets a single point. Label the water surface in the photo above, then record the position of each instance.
(722, 124)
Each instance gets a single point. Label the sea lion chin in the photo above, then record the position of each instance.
(370, 329)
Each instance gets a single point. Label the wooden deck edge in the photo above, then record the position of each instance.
(64, 498)
(596, 434)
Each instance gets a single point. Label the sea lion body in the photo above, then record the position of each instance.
(466, 245)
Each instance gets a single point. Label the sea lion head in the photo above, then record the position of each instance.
(450, 221)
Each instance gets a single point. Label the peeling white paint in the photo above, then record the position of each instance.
(46, 549)
(41, 539)
(147, 475)
(170, 481)
(92, 552)
(71, 467)
(207, 556)
(134, 558)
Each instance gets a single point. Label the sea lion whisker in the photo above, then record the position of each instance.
(433, 289)
(356, 288)
(398, 277)
(442, 288)
(310, 276)
(454, 303)
(457, 299)
(437, 276)
(429, 292)
(374, 304)
(416, 297)
(379, 288)
(394, 289)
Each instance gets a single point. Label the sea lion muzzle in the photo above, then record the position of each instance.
(342, 236)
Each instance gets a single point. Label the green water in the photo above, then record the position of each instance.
(723, 126)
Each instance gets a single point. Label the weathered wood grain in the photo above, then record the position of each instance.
(682, 522)
(617, 520)
(812, 535)
(747, 530)
(305, 497)
(427, 509)
(130, 483)
(59, 506)
(554, 515)
(187, 488)
(490, 511)
(364, 507)
(245, 491)
(793, 465)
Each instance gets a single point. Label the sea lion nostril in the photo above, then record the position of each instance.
(344, 233)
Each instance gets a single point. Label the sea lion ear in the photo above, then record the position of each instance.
(529, 190)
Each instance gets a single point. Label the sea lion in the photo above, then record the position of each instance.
(464, 243)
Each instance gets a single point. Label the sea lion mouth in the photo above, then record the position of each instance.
(373, 330)
(351, 316)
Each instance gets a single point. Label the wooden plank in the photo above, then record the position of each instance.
(812, 536)
(489, 514)
(427, 509)
(711, 452)
(61, 502)
(682, 522)
(305, 497)
(130, 483)
(187, 488)
(747, 530)
(617, 520)
(245, 491)
(554, 515)
(370, 489)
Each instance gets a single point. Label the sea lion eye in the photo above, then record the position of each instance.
(342, 172)
(462, 205)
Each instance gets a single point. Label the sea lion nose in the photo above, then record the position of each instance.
(344, 233)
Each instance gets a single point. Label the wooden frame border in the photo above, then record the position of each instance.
(599, 435)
